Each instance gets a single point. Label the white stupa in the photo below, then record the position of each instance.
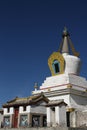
(65, 82)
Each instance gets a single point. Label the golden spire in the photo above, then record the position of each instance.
(66, 45)
(36, 86)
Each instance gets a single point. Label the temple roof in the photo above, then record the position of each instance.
(66, 45)
(56, 103)
(26, 101)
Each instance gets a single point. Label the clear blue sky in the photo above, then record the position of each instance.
(30, 30)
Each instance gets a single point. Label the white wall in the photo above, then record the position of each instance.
(62, 115)
(78, 100)
(55, 81)
(65, 97)
(11, 111)
(26, 111)
(38, 108)
(72, 64)
(78, 80)
(48, 116)
(1, 119)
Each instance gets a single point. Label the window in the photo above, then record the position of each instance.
(56, 66)
(68, 119)
(24, 120)
(6, 121)
(35, 120)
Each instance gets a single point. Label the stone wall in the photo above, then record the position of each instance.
(50, 128)
(81, 118)
(78, 119)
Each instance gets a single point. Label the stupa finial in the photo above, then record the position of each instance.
(66, 45)
(36, 86)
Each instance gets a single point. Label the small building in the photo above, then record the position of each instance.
(33, 111)
(25, 112)
(60, 100)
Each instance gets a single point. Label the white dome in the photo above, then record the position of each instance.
(72, 64)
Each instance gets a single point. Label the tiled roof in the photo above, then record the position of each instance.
(56, 102)
(25, 101)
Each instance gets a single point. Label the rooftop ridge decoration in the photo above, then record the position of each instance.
(27, 100)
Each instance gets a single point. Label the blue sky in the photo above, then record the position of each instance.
(30, 30)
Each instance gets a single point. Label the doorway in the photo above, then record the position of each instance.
(15, 124)
(68, 119)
